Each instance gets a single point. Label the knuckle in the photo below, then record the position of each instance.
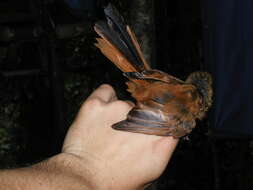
(94, 103)
(123, 104)
(106, 86)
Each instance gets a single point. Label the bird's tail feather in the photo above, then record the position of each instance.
(118, 43)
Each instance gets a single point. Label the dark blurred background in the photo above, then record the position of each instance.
(49, 65)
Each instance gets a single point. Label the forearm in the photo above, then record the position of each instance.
(58, 172)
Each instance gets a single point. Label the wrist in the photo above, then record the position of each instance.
(92, 172)
(88, 169)
(66, 171)
(59, 172)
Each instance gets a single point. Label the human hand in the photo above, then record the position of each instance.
(114, 159)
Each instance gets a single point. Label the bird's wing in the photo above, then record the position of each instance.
(151, 121)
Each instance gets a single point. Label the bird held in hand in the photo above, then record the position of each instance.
(165, 105)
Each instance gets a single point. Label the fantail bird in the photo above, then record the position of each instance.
(165, 105)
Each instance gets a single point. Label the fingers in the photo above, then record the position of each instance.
(125, 106)
(104, 93)
(104, 100)
(119, 110)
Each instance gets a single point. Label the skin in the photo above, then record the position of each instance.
(94, 156)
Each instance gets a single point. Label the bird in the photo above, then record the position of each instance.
(165, 105)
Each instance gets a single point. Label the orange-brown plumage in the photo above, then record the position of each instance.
(166, 106)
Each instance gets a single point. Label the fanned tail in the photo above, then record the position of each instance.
(118, 43)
